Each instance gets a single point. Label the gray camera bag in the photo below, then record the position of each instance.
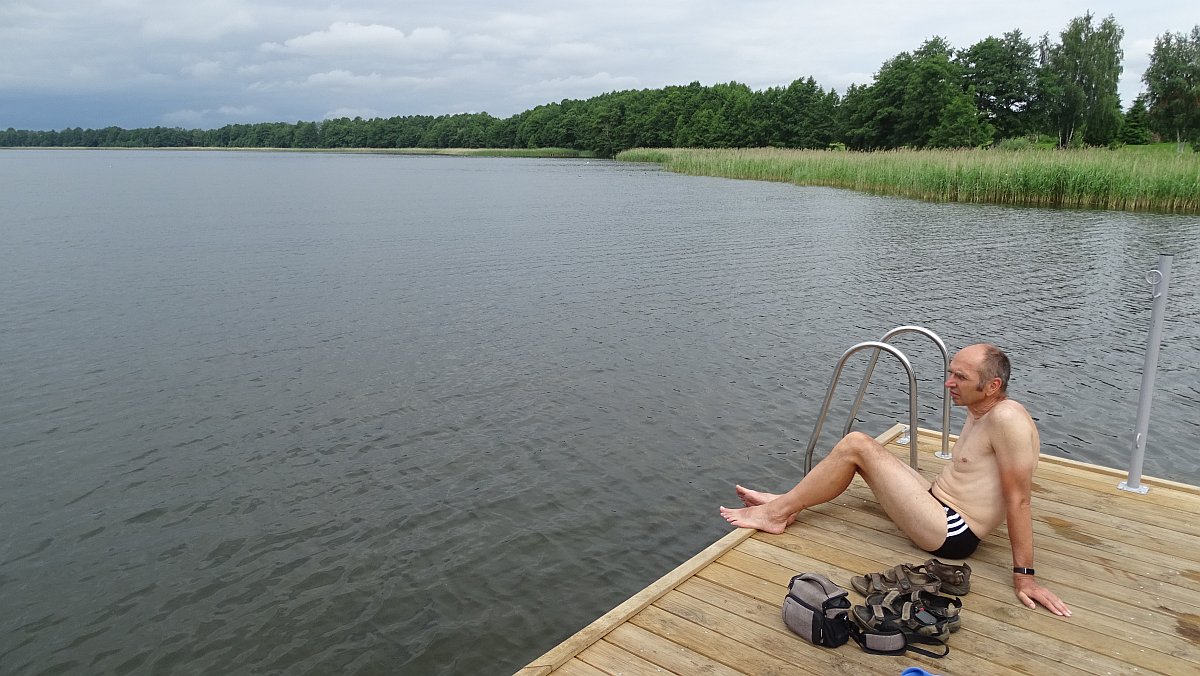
(815, 609)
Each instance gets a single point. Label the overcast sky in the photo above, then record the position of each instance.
(207, 63)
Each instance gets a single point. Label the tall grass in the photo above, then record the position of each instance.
(1088, 178)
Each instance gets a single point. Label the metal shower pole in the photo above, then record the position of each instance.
(1159, 280)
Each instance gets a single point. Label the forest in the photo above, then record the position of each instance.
(1063, 91)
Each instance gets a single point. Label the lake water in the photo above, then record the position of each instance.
(291, 413)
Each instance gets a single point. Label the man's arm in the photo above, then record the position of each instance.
(1016, 456)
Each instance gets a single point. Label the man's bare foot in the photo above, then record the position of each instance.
(752, 498)
(757, 517)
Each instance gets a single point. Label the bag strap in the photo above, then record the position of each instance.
(801, 601)
(836, 598)
(893, 642)
(829, 587)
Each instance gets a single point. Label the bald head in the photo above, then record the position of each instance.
(991, 362)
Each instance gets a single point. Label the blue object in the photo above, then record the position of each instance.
(915, 671)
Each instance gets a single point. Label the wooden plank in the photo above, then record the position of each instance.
(668, 655)
(564, 651)
(751, 608)
(747, 585)
(1158, 536)
(713, 645)
(575, 667)
(1070, 562)
(987, 632)
(612, 659)
(1102, 649)
(1120, 475)
(1116, 504)
(892, 433)
(1099, 480)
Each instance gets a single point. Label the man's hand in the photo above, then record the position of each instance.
(1031, 594)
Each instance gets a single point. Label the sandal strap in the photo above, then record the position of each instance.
(879, 580)
(954, 576)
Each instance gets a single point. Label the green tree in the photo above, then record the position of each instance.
(306, 135)
(537, 126)
(335, 133)
(1173, 85)
(916, 100)
(855, 119)
(659, 118)
(961, 125)
(686, 102)
(721, 116)
(934, 85)
(409, 130)
(879, 120)
(1135, 128)
(1078, 81)
(804, 116)
(1002, 72)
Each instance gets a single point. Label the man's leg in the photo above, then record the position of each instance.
(901, 490)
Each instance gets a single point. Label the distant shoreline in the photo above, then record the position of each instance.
(1135, 178)
(559, 153)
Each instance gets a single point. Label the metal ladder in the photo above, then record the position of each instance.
(878, 346)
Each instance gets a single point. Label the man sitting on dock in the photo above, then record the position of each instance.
(989, 479)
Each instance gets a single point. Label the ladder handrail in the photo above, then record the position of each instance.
(862, 390)
(837, 371)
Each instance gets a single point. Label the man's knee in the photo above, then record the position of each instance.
(859, 439)
(862, 447)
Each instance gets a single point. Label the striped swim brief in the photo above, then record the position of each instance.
(961, 541)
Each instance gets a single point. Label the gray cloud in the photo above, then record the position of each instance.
(142, 63)
(342, 39)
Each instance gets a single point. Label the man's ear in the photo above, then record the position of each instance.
(993, 386)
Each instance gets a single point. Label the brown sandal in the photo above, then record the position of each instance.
(956, 580)
(944, 609)
(904, 578)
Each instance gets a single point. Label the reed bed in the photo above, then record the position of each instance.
(1088, 178)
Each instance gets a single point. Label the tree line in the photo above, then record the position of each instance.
(936, 96)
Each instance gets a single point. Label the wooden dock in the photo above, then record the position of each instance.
(1128, 566)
